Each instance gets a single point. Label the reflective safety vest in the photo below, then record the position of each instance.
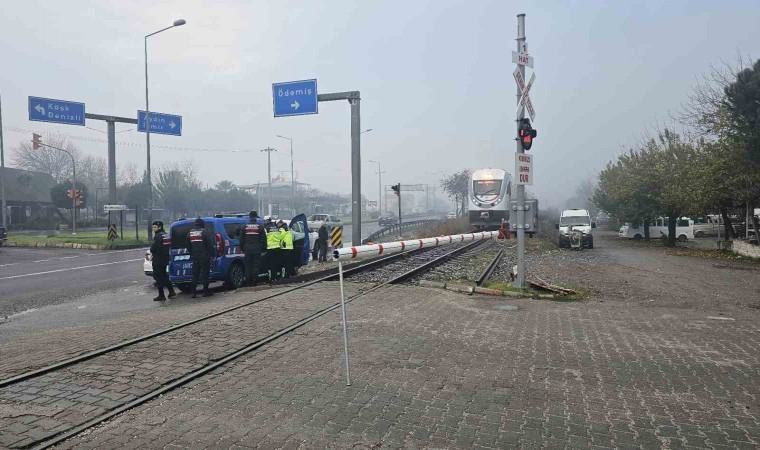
(274, 240)
(287, 239)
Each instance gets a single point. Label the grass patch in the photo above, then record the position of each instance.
(726, 255)
(85, 237)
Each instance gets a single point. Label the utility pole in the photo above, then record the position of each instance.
(2, 168)
(520, 220)
(269, 176)
(379, 185)
(292, 176)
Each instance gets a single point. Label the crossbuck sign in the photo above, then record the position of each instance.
(524, 97)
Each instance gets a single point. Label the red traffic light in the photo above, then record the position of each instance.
(397, 189)
(70, 193)
(36, 141)
(526, 134)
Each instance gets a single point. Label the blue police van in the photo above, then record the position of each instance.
(227, 262)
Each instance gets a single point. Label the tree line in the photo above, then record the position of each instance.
(712, 165)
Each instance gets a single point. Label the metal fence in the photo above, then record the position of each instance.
(397, 227)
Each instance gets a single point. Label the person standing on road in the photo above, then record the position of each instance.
(253, 241)
(288, 251)
(201, 248)
(273, 248)
(160, 252)
(322, 236)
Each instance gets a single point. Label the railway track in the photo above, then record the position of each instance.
(90, 388)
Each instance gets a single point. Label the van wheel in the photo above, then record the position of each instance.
(638, 237)
(699, 234)
(682, 238)
(185, 287)
(235, 278)
(591, 243)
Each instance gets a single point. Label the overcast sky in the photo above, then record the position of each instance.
(435, 78)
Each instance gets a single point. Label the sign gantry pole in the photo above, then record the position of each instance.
(520, 220)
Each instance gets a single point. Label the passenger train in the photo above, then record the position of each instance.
(489, 193)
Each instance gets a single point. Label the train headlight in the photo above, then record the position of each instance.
(478, 204)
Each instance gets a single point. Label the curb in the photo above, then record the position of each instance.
(73, 245)
(469, 290)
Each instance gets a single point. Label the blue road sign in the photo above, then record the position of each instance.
(57, 111)
(295, 98)
(160, 123)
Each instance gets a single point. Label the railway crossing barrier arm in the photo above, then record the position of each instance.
(395, 227)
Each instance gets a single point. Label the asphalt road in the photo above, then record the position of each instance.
(32, 278)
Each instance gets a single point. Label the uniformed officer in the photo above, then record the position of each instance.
(160, 252)
(273, 249)
(322, 236)
(253, 241)
(288, 252)
(201, 248)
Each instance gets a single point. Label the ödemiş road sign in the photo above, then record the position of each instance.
(56, 111)
(160, 123)
(295, 98)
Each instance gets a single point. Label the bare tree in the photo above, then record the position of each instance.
(45, 159)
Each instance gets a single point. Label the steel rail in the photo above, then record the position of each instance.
(486, 274)
(52, 440)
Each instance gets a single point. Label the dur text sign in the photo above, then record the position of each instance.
(523, 169)
(56, 111)
(295, 98)
(160, 123)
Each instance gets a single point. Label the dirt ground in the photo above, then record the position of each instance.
(619, 270)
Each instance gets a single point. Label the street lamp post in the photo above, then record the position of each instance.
(292, 176)
(379, 186)
(269, 176)
(435, 186)
(177, 23)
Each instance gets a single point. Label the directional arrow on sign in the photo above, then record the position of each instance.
(524, 97)
(295, 105)
(172, 125)
(40, 109)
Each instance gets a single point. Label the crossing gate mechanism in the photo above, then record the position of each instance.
(336, 237)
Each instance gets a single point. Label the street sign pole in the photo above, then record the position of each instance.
(2, 169)
(520, 280)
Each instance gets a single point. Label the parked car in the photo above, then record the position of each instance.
(227, 262)
(3, 235)
(658, 228)
(315, 221)
(451, 215)
(387, 220)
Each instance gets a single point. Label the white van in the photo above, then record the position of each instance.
(578, 219)
(659, 228)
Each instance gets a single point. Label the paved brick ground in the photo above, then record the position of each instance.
(39, 407)
(437, 369)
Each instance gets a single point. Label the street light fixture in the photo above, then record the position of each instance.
(366, 131)
(177, 23)
(292, 176)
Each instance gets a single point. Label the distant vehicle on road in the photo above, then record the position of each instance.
(658, 228)
(315, 221)
(578, 220)
(387, 220)
(3, 235)
(489, 193)
(451, 215)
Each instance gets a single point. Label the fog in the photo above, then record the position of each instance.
(435, 79)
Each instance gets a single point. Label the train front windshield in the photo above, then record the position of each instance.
(486, 187)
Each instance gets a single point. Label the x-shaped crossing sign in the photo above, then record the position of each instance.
(524, 97)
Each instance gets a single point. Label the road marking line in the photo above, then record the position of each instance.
(69, 268)
(40, 260)
(6, 265)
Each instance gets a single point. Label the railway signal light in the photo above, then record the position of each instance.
(36, 141)
(397, 189)
(526, 134)
(70, 193)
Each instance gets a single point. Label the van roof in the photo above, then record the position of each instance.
(574, 212)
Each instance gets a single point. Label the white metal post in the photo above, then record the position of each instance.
(520, 219)
(269, 176)
(345, 326)
(2, 169)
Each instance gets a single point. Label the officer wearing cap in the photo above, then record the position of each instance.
(253, 241)
(273, 248)
(201, 249)
(160, 252)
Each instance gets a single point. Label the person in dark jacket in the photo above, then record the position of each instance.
(160, 252)
(253, 241)
(201, 249)
(322, 236)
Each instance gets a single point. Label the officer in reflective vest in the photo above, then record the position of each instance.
(201, 249)
(273, 249)
(160, 252)
(253, 241)
(288, 259)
